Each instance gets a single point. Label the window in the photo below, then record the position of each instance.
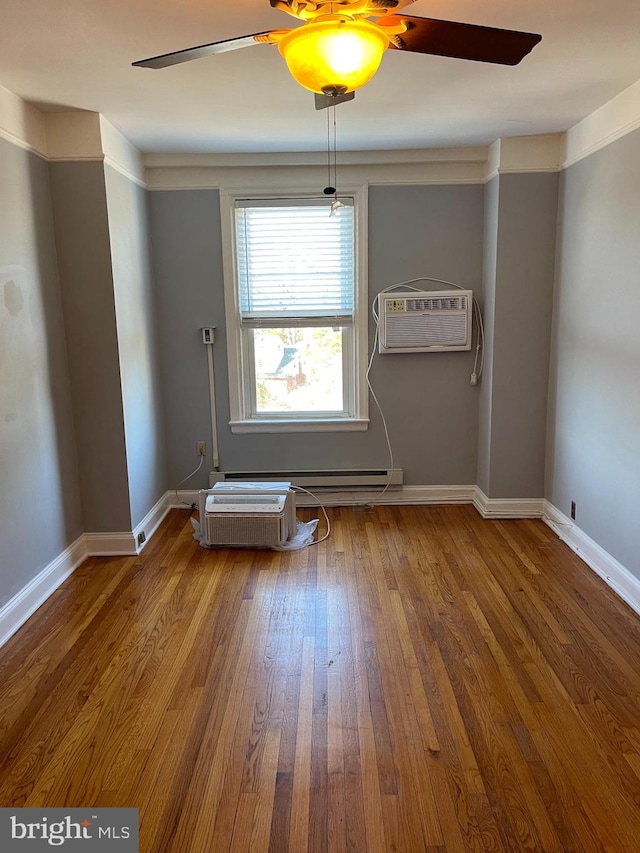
(295, 314)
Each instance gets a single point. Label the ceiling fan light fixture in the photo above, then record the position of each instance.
(333, 53)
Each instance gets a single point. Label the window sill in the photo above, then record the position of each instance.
(299, 425)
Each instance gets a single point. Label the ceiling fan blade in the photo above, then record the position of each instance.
(325, 101)
(198, 52)
(461, 41)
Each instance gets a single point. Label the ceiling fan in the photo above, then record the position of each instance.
(338, 48)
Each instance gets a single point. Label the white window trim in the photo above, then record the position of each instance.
(240, 420)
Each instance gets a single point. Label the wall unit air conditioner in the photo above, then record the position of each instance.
(258, 515)
(431, 321)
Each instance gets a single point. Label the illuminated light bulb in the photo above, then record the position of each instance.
(333, 54)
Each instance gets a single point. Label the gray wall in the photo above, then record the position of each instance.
(593, 453)
(430, 406)
(137, 343)
(187, 264)
(38, 466)
(84, 258)
(429, 403)
(518, 309)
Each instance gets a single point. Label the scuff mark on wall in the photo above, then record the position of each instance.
(13, 299)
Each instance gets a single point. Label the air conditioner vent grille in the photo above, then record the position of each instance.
(440, 303)
(245, 530)
(424, 330)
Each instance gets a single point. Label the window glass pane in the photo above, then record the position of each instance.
(298, 370)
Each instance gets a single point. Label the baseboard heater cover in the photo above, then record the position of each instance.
(332, 478)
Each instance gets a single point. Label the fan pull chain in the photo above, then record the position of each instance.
(332, 147)
(336, 204)
(335, 152)
(329, 189)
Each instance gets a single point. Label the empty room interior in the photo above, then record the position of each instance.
(320, 424)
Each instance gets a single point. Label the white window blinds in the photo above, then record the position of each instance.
(296, 262)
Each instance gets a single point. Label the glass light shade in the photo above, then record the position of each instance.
(333, 52)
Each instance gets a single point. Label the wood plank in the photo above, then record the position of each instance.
(299, 828)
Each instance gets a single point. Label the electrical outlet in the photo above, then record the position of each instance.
(573, 510)
(201, 448)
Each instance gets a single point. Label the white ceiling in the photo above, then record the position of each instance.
(61, 54)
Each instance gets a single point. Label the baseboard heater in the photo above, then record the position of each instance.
(335, 478)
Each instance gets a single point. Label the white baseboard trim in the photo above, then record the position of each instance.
(613, 573)
(125, 544)
(16, 611)
(507, 507)
(151, 521)
(183, 500)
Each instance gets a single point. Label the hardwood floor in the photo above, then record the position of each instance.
(424, 680)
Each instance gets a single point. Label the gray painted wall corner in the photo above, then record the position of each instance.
(593, 452)
(40, 510)
(84, 260)
(519, 334)
(138, 346)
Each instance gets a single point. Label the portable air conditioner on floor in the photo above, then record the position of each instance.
(429, 321)
(258, 515)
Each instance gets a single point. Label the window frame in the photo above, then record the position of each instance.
(240, 364)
